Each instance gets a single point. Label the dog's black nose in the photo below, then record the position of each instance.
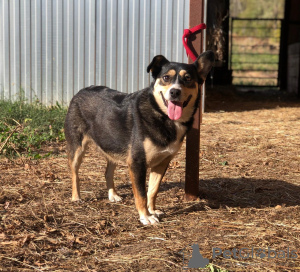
(175, 93)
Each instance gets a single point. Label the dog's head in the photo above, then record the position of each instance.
(176, 85)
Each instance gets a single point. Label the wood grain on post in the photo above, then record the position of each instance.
(193, 137)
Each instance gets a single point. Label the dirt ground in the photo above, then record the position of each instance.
(249, 201)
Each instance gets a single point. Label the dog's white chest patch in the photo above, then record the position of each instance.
(156, 154)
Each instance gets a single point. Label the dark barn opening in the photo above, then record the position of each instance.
(256, 43)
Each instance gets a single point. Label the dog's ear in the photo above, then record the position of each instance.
(156, 64)
(204, 63)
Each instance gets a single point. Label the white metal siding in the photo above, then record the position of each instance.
(50, 49)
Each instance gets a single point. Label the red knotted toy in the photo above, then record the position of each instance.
(185, 37)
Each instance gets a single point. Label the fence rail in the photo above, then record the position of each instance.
(254, 51)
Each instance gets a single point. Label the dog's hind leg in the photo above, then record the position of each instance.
(109, 176)
(155, 178)
(75, 159)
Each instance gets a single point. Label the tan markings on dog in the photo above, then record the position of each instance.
(202, 67)
(116, 157)
(156, 175)
(109, 177)
(140, 202)
(185, 93)
(181, 131)
(74, 165)
(171, 73)
(113, 157)
(156, 154)
(182, 73)
(157, 95)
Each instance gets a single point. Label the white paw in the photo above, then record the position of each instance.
(149, 219)
(113, 197)
(76, 198)
(158, 213)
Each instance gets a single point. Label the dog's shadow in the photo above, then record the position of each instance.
(226, 192)
(243, 193)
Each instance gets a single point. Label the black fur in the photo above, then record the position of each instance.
(119, 123)
(113, 119)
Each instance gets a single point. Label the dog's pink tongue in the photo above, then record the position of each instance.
(174, 110)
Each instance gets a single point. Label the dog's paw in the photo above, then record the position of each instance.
(114, 197)
(158, 213)
(149, 220)
(76, 199)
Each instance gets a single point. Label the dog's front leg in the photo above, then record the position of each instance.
(137, 172)
(156, 175)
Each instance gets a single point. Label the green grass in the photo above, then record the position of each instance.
(24, 128)
(256, 62)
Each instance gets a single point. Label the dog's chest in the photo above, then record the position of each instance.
(156, 154)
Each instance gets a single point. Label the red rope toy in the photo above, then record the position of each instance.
(186, 34)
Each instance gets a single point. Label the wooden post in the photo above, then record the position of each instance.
(283, 53)
(193, 137)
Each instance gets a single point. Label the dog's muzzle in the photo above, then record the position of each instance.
(185, 103)
(174, 107)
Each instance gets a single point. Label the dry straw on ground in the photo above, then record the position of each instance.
(250, 197)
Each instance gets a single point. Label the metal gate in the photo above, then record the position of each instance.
(254, 51)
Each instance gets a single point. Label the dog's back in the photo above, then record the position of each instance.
(100, 114)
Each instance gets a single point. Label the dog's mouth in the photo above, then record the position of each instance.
(175, 108)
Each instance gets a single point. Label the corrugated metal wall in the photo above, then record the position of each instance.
(50, 49)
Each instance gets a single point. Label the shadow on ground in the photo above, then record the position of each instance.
(230, 98)
(243, 193)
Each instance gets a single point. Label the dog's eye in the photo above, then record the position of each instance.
(187, 77)
(166, 78)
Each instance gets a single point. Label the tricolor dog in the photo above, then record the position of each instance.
(144, 129)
